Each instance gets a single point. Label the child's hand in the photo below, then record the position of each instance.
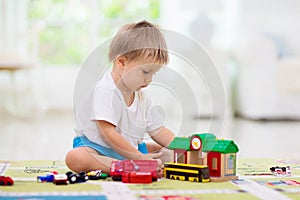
(167, 155)
(160, 168)
(155, 156)
(151, 156)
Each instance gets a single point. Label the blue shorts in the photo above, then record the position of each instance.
(82, 141)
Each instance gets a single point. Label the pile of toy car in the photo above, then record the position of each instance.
(70, 177)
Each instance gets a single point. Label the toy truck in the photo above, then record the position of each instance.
(137, 177)
(134, 171)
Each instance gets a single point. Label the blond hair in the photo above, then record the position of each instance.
(139, 40)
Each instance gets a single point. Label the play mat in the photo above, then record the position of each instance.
(255, 182)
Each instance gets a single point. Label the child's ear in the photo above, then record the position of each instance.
(120, 61)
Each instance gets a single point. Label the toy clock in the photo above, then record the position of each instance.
(195, 143)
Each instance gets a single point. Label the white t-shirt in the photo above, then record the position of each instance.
(106, 103)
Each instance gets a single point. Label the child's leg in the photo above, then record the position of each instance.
(87, 159)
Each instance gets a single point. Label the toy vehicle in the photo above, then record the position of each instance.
(96, 175)
(137, 177)
(60, 179)
(186, 172)
(6, 181)
(120, 168)
(49, 177)
(281, 171)
(76, 178)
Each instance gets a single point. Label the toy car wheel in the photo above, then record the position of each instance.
(83, 176)
(1, 182)
(9, 183)
(72, 178)
(283, 169)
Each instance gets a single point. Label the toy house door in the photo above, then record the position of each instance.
(214, 163)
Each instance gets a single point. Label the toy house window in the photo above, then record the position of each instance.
(180, 157)
(214, 164)
(230, 162)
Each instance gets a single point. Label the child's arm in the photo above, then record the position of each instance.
(119, 144)
(162, 136)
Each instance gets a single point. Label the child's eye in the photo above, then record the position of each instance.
(146, 72)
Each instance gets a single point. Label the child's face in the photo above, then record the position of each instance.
(138, 74)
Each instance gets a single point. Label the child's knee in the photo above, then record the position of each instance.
(73, 160)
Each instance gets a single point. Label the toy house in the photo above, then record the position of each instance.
(206, 149)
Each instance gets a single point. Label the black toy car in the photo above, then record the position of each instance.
(77, 178)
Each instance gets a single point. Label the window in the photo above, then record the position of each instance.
(72, 28)
(214, 164)
(230, 161)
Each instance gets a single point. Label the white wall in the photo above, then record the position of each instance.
(210, 24)
(280, 17)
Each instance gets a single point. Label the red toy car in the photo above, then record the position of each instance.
(134, 170)
(60, 179)
(6, 180)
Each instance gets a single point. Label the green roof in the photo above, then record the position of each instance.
(184, 142)
(223, 146)
(209, 143)
(180, 143)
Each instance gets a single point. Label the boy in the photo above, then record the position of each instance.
(114, 118)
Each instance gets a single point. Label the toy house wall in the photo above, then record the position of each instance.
(229, 164)
(180, 156)
(195, 157)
